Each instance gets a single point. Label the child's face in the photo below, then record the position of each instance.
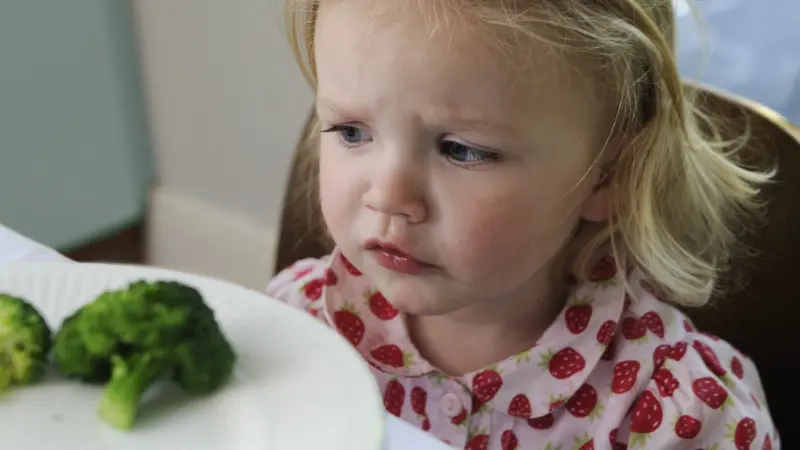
(452, 153)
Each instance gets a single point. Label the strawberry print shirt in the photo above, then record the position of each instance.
(609, 373)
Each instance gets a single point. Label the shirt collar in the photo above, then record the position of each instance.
(529, 385)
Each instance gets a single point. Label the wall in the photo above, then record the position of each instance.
(74, 146)
(226, 104)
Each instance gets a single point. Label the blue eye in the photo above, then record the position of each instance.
(465, 154)
(349, 134)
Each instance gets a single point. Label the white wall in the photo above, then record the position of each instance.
(226, 103)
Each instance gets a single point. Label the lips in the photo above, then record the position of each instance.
(393, 258)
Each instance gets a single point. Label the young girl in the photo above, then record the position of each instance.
(517, 192)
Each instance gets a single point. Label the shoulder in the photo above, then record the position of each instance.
(701, 391)
(301, 284)
(704, 394)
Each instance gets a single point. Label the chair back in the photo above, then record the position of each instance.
(302, 233)
(760, 315)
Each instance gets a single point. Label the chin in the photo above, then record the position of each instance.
(415, 295)
(419, 304)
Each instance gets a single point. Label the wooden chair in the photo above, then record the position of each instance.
(762, 319)
(301, 233)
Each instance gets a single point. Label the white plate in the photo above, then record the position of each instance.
(298, 385)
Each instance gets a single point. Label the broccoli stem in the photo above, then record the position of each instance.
(122, 396)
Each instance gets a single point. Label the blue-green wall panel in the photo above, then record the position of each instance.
(75, 157)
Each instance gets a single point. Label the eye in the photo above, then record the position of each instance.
(349, 135)
(465, 154)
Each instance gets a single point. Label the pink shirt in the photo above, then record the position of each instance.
(608, 374)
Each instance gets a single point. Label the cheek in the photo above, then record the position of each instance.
(500, 239)
(333, 191)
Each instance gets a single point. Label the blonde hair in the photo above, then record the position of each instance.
(680, 193)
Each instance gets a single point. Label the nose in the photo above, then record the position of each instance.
(398, 189)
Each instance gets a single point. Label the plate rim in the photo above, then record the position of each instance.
(376, 433)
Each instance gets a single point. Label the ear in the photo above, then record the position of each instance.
(596, 207)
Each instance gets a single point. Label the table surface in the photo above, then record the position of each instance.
(400, 434)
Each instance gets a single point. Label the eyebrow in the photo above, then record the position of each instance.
(443, 117)
(333, 107)
(477, 122)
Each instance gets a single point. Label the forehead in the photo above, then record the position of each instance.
(442, 58)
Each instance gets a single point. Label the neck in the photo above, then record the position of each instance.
(471, 338)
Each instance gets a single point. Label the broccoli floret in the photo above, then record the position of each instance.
(25, 340)
(73, 358)
(132, 337)
(202, 364)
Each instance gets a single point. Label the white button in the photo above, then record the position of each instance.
(451, 404)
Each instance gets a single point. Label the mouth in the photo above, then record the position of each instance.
(393, 258)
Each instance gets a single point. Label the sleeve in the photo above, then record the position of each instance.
(705, 395)
(300, 285)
